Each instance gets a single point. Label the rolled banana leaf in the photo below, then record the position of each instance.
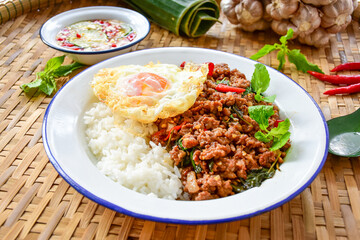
(192, 18)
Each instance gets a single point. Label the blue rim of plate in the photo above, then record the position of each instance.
(44, 40)
(119, 209)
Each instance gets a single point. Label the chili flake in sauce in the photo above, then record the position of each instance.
(95, 35)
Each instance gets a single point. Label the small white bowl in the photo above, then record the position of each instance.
(51, 28)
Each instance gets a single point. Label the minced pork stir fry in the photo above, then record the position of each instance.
(222, 145)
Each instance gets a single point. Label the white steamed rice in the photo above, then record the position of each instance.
(127, 158)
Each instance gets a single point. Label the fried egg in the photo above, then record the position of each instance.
(146, 93)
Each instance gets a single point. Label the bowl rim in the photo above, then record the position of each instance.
(54, 46)
(123, 210)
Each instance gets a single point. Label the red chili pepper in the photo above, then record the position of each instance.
(131, 36)
(276, 124)
(225, 88)
(78, 35)
(182, 65)
(346, 66)
(336, 79)
(159, 134)
(60, 39)
(113, 45)
(110, 34)
(211, 68)
(176, 128)
(354, 88)
(68, 44)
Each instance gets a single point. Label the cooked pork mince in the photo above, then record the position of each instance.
(213, 142)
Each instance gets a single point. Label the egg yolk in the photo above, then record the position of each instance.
(145, 84)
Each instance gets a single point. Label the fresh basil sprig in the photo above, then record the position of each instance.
(294, 56)
(279, 135)
(46, 80)
(260, 81)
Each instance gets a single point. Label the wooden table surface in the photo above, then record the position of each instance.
(36, 203)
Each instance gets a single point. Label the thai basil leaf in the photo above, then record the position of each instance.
(262, 137)
(281, 129)
(301, 62)
(279, 135)
(54, 63)
(263, 51)
(179, 143)
(280, 142)
(46, 80)
(48, 85)
(281, 58)
(261, 114)
(260, 79)
(186, 161)
(247, 91)
(223, 81)
(28, 86)
(288, 36)
(254, 179)
(294, 56)
(66, 69)
(197, 168)
(258, 97)
(211, 165)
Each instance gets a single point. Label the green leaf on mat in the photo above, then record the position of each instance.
(191, 18)
(263, 51)
(301, 62)
(46, 80)
(294, 55)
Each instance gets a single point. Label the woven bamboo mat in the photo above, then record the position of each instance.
(36, 203)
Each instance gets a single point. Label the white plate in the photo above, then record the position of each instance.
(64, 141)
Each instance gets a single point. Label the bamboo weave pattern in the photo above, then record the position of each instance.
(36, 203)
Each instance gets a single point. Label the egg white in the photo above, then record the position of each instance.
(184, 86)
